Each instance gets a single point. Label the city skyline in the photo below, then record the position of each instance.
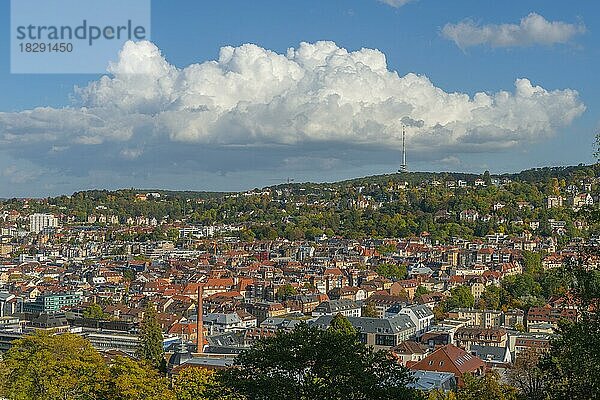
(312, 91)
(340, 199)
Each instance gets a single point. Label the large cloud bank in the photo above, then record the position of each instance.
(316, 96)
(532, 30)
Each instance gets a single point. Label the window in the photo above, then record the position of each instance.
(385, 340)
(363, 337)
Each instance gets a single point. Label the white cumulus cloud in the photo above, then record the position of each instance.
(532, 30)
(316, 96)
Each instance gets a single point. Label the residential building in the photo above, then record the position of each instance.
(477, 317)
(494, 357)
(432, 380)
(467, 336)
(421, 316)
(550, 314)
(409, 352)
(348, 308)
(380, 333)
(216, 323)
(38, 222)
(554, 201)
(452, 359)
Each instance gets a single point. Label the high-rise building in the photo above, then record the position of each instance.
(39, 222)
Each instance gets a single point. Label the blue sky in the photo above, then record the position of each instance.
(240, 155)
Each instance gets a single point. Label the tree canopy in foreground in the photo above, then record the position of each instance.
(311, 363)
(48, 366)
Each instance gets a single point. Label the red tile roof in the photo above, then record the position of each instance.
(450, 358)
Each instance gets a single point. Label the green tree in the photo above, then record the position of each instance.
(172, 234)
(310, 363)
(487, 178)
(527, 376)
(391, 271)
(94, 311)
(246, 235)
(521, 290)
(386, 248)
(194, 384)
(532, 262)
(286, 291)
(200, 384)
(150, 347)
(441, 395)
(421, 290)
(460, 297)
(573, 363)
(340, 324)
(487, 387)
(133, 380)
(52, 367)
(129, 275)
(369, 310)
(490, 298)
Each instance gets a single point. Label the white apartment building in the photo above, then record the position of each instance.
(39, 222)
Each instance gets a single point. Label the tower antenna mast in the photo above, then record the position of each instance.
(403, 166)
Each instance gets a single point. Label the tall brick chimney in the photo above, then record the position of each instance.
(199, 323)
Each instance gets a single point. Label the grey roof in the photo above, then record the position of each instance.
(307, 298)
(395, 309)
(46, 320)
(223, 350)
(421, 310)
(221, 318)
(489, 353)
(540, 325)
(530, 335)
(474, 310)
(181, 355)
(5, 296)
(221, 362)
(391, 325)
(336, 306)
(235, 339)
(420, 271)
(430, 380)
(280, 323)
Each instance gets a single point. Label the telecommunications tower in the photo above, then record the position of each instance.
(403, 166)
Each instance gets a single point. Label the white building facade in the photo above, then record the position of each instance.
(39, 222)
